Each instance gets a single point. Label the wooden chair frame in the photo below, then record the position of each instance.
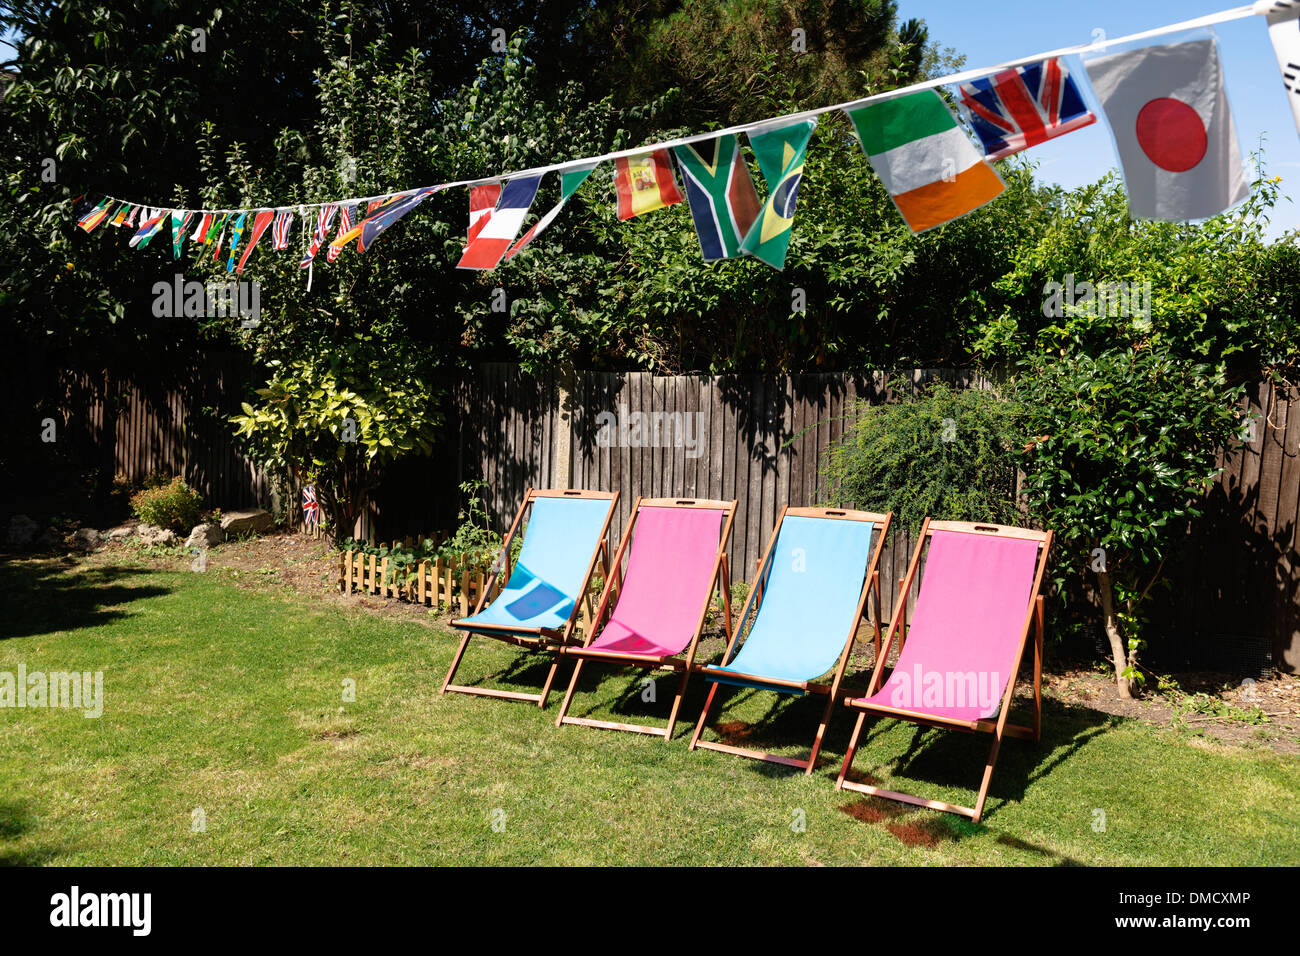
(532, 637)
(721, 577)
(870, 583)
(1000, 727)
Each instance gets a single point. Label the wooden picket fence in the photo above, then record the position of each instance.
(452, 583)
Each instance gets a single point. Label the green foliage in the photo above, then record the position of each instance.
(474, 540)
(1217, 289)
(1123, 452)
(947, 453)
(173, 505)
(337, 421)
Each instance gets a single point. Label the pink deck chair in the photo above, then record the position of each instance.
(958, 662)
(676, 560)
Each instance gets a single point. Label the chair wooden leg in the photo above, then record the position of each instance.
(677, 703)
(853, 748)
(550, 678)
(821, 732)
(704, 714)
(568, 697)
(1038, 669)
(455, 661)
(988, 776)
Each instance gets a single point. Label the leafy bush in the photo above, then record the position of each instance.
(948, 453)
(1125, 449)
(174, 505)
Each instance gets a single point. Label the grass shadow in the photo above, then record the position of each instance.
(39, 596)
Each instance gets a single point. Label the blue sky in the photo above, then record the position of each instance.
(997, 30)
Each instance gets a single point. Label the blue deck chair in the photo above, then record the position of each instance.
(542, 597)
(810, 594)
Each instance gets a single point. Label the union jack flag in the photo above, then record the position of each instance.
(310, 509)
(1025, 106)
(324, 216)
(280, 231)
(345, 226)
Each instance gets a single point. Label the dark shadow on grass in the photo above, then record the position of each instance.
(15, 820)
(38, 596)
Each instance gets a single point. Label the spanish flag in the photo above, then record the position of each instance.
(645, 183)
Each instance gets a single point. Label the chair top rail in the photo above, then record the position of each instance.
(840, 514)
(569, 493)
(989, 530)
(705, 503)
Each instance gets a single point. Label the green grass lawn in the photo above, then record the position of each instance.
(230, 700)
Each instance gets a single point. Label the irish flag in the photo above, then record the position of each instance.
(925, 159)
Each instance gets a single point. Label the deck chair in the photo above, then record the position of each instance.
(978, 600)
(543, 594)
(676, 560)
(810, 594)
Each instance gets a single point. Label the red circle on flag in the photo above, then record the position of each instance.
(1171, 134)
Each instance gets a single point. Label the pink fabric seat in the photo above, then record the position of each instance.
(669, 577)
(966, 629)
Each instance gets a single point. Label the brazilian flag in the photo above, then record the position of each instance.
(780, 150)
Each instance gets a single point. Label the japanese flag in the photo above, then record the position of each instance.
(1172, 126)
(1284, 30)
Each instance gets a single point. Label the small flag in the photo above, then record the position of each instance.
(645, 183)
(180, 222)
(779, 149)
(1019, 108)
(119, 217)
(130, 220)
(570, 180)
(236, 234)
(310, 508)
(383, 214)
(149, 226)
(925, 159)
(324, 216)
(345, 226)
(376, 224)
(482, 200)
(1173, 129)
(91, 219)
(280, 231)
(201, 230)
(497, 230)
(1284, 30)
(216, 233)
(723, 201)
(260, 223)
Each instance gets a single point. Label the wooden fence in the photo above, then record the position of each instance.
(1235, 579)
(454, 584)
(1234, 595)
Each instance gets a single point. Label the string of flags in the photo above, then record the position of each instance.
(1165, 105)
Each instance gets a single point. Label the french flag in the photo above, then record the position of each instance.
(491, 235)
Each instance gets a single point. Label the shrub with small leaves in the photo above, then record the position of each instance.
(174, 505)
(948, 453)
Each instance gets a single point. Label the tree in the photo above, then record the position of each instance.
(337, 424)
(1122, 451)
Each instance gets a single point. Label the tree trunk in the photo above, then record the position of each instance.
(1118, 652)
(562, 473)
